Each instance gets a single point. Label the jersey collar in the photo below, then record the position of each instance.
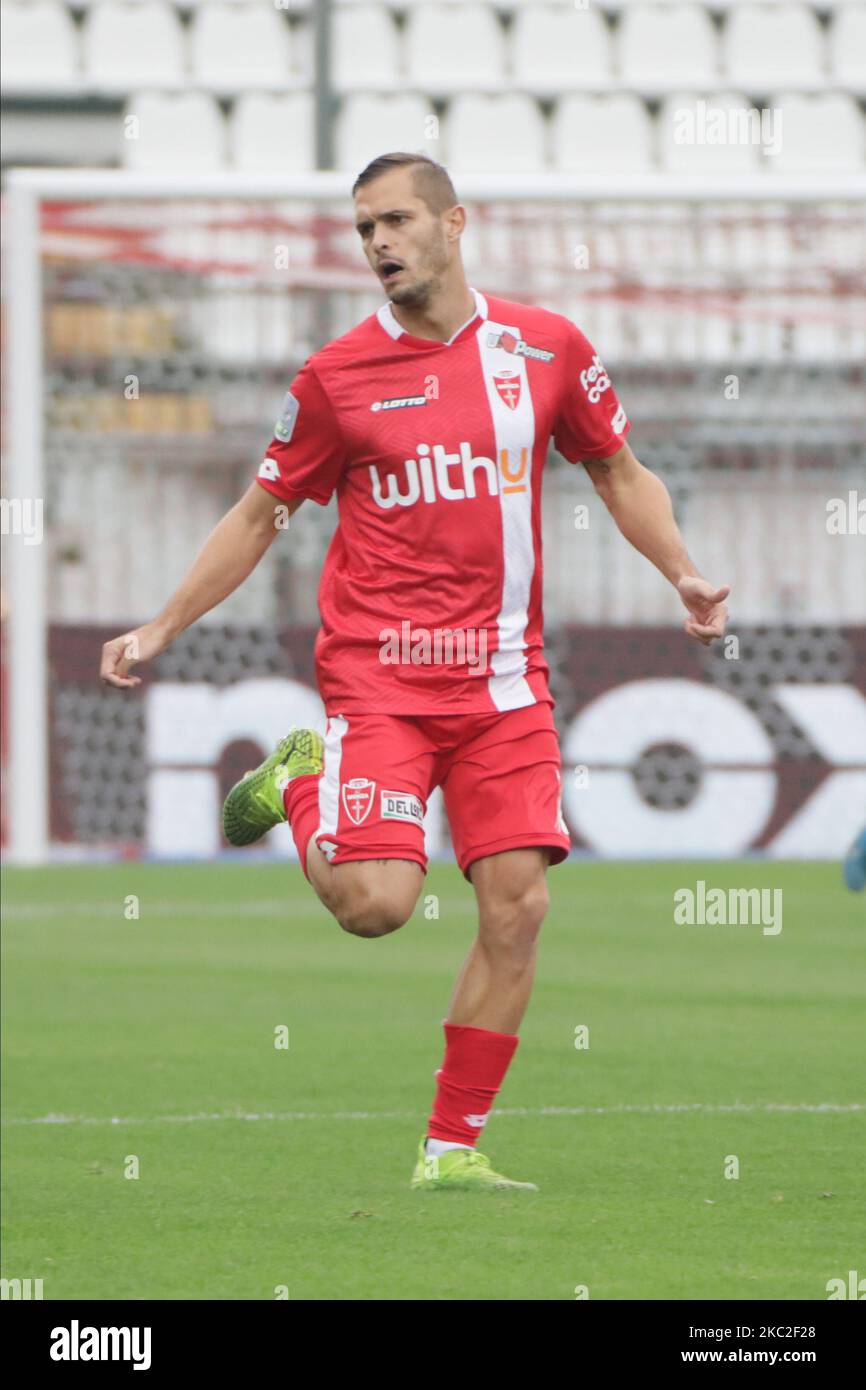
(385, 315)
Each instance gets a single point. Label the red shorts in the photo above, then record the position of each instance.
(499, 773)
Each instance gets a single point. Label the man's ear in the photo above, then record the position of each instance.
(455, 221)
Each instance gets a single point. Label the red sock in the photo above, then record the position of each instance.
(475, 1064)
(301, 800)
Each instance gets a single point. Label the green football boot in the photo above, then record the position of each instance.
(255, 804)
(460, 1170)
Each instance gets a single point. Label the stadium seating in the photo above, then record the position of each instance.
(824, 133)
(234, 46)
(554, 59)
(764, 45)
(174, 132)
(682, 115)
(602, 134)
(368, 124)
(39, 47)
(272, 132)
(454, 49)
(848, 45)
(366, 48)
(133, 43)
(554, 48)
(495, 132)
(661, 45)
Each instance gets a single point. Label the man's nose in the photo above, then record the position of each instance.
(381, 241)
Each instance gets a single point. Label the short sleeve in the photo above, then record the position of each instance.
(306, 455)
(591, 423)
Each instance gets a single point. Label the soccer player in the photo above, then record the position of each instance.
(431, 421)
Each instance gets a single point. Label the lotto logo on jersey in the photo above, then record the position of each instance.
(399, 403)
(437, 475)
(594, 380)
(357, 796)
(508, 386)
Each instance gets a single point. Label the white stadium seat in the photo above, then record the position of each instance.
(500, 134)
(236, 46)
(554, 47)
(273, 132)
(184, 133)
(848, 44)
(38, 46)
(709, 134)
(453, 49)
(764, 45)
(365, 48)
(606, 134)
(370, 125)
(661, 45)
(133, 44)
(820, 134)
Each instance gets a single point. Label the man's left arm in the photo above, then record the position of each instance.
(640, 505)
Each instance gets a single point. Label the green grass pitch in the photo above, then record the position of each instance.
(263, 1168)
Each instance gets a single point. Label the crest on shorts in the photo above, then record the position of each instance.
(508, 386)
(357, 796)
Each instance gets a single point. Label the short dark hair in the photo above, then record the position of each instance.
(432, 181)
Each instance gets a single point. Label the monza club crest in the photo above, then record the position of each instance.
(357, 796)
(507, 384)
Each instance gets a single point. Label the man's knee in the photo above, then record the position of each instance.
(371, 914)
(512, 920)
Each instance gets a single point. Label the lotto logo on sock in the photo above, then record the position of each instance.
(476, 1121)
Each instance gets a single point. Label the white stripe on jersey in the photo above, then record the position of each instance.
(329, 782)
(514, 430)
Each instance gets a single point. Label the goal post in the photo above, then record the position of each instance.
(173, 281)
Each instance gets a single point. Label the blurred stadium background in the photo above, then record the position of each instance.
(181, 241)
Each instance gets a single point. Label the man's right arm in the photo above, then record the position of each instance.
(230, 553)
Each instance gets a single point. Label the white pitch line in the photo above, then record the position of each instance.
(542, 1112)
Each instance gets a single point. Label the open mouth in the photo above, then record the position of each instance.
(389, 270)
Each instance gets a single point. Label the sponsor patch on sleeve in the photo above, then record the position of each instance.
(285, 426)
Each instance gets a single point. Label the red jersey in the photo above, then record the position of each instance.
(430, 595)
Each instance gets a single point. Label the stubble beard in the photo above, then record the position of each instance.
(420, 294)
